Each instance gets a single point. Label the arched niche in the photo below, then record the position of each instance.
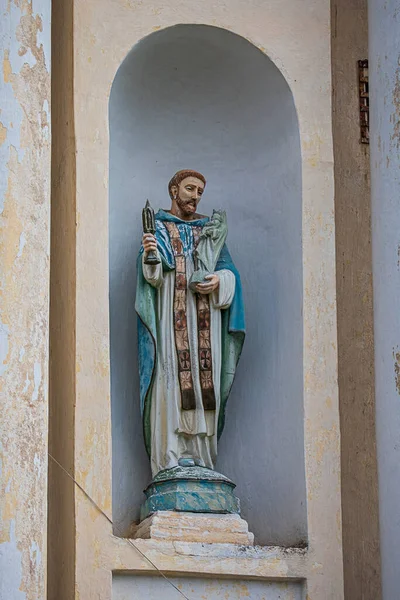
(194, 96)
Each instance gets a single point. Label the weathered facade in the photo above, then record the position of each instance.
(59, 175)
(25, 144)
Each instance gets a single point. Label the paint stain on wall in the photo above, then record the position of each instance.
(395, 117)
(396, 357)
(3, 133)
(6, 67)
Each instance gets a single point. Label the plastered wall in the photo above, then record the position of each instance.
(103, 34)
(24, 272)
(384, 50)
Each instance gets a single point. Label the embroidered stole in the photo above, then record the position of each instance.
(181, 290)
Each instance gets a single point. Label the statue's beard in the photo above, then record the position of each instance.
(188, 207)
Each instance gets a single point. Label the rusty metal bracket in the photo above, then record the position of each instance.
(363, 87)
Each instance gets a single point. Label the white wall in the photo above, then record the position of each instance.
(200, 97)
(384, 51)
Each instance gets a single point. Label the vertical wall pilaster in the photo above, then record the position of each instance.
(62, 532)
(361, 555)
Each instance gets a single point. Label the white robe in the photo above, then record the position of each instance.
(177, 433)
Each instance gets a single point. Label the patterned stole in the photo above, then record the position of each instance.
(181, 332)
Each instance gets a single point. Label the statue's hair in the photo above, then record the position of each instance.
(181, 175)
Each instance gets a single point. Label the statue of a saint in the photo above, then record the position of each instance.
(191, 329)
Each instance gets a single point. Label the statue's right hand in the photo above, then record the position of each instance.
(149, 242)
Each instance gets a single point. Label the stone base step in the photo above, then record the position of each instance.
(195, 527)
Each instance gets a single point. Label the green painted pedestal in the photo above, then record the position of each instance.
(190, 489)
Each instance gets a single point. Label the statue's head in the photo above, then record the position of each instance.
(185, 189)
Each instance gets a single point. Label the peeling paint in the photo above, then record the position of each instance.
(35, 555)
(37, 378)
(396, 358)
(22, 242)
(26, 386)
(395, 117)
(4, 331)
(24, 266)
(11, 568)
(38, 465)
(6, 67)
(3, 133)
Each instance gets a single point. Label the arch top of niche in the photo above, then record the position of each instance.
(268, 51)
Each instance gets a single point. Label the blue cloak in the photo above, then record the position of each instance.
(232, 319)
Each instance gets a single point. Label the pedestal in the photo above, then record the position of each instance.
(195, 527)
(190, 489)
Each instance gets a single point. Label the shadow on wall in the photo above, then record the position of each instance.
(200, 97)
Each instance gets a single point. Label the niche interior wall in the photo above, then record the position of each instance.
(200, 97)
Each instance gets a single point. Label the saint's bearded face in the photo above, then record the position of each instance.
(188, 195)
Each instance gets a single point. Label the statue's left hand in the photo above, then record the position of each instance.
(210, 285)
